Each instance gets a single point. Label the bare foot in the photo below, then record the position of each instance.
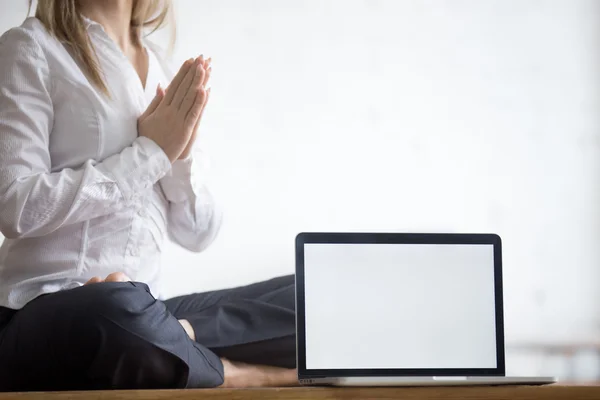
(241, 375)
(188, 328)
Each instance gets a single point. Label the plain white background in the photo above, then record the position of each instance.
(399, 306)
(404, 115)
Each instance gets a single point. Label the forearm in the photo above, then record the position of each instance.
(37, 204)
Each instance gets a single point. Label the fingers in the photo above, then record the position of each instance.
(205, 102)
(192, 140)
(160, 91)
(117, 277)
(201, 113)
(186, 153)
(207, 76)
(155, 102)
(208, 70)
(174, 86)
(196, 84)
(95, 279)
(196, 109)
(190, 81)
(114, 277)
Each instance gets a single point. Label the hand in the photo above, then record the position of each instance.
(188, 150)
(114, 277)
(241, 375)
(161, 92)
(171, 117)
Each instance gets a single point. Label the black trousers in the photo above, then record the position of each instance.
(116, 335)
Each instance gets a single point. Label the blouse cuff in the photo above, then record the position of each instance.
(146, 164)
(178, 183)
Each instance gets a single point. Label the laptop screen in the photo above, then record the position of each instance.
(399, 306)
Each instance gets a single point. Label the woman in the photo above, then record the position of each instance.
(96, 169)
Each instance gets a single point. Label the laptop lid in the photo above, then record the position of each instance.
(401, 304)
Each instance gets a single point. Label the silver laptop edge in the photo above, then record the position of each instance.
(428, 381)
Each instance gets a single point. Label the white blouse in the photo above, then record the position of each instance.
(81, 195)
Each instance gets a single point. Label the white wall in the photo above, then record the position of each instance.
(458, 115)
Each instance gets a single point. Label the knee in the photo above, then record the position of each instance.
(119, 332)
(119, 306)
(116, 313)
(283, 282)
(118, 299)
(284, 292)
(288, 280)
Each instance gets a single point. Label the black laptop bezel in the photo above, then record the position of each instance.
(401, 238)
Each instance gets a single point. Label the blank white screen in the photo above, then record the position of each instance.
(399, 306)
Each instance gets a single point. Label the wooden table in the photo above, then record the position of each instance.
(553, 392)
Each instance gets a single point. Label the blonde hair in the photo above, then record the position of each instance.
(62, 18)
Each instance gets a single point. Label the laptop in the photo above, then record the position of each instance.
(401, 309)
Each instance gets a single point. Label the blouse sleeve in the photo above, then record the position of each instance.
(33, 200)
